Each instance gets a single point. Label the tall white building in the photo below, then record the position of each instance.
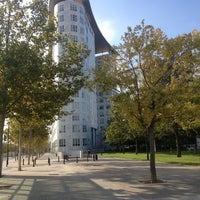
(77, 132)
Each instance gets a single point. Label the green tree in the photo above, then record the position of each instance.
(35, 137)
(147, 65)
(120, 132)
(30, 81)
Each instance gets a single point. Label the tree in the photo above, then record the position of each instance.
(31, 135)
(121, 131)
(123, 106)
(31, 83)
(144, 70)
(118, 132)
(34, 143)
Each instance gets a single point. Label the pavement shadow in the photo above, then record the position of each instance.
(56, 188)
(108, 180)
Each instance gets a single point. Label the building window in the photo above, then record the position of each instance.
(74, 18)
(82, 40)
(76, 128)
(83, 94)
(101, 107)
(62, 143)
(75, 117)
(101, 100)
(84, 128)
(62, 119)
(74, 28)
(108, 106)
(77, 94)
(101, 114)
(61, 8)
(81, 10)
(81, 20)
(74, 38)
(102, 128)
(102, 121)
(82, 30)
(63, 129)
(61, 28)
(61, 18)
(76, 142)
(75, 105)
(73, 7)
(85, 141)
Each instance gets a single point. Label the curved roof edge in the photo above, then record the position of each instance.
(101, 44)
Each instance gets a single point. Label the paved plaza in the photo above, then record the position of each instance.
(105, 179)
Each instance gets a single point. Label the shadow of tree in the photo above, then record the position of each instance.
(108, 180)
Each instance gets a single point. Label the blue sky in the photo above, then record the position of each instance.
(174, 17)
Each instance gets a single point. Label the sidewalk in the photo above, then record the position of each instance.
(102, 180)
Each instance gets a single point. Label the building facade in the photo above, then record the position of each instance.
(78, 132)
(103, 110)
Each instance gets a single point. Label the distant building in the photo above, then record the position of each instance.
(78, 132)
(103, 110)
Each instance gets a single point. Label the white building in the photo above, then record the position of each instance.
(103, 110)
(77, 132)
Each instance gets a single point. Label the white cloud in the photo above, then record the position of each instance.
(107, 28)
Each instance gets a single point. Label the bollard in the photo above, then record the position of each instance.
(64, 160)
(49, 161)
(76, 159)
(93, 157)
(33, 163)
(58, 158)
(23, 161)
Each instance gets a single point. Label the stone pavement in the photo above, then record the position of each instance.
(103, 180)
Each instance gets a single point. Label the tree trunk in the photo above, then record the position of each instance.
(7, 149)
(123, 149)
(136, 146)
(2, 122)
(29, 147)
(178, 144)
(19, 152)
(152, 152)
(29, 155)
(148, 154)
(147, 146)
(195, 144)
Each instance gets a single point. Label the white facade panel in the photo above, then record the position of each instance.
(77, 131)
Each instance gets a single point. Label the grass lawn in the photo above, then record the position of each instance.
(170, 158)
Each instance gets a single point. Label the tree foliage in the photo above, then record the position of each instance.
(32, 84)
(154, 78)
(119, 131)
